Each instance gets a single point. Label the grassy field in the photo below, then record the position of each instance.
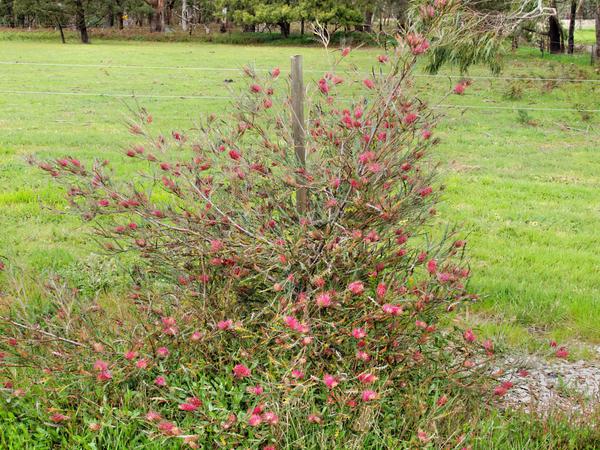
(585, 36)
(524, 183)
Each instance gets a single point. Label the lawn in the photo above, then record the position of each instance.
(524, 183)
(585, 36)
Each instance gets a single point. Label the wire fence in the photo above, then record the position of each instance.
(229, 97)
(239, 70)
(121, 95)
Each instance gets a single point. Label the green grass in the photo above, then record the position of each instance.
(585, 36)
(527, 190)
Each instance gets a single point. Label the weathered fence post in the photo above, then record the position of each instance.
(298, 132)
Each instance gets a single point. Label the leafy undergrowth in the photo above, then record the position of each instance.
(143, 35)
(473, 429)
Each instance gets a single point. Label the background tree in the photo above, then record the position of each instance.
(598, 29)
(572, 17)
(157, 16)
(7, 15)
(80, 21)
(43, 13)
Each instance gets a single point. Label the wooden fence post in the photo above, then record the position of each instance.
(298, 132)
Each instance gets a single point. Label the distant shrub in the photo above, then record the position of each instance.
(514, 91)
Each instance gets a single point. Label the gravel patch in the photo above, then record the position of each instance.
(544, 386)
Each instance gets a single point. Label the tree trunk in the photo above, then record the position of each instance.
(571, 47)
(10, 13)
(169, 12)
(302, 27)
(515, 41)
(120, 20)
(80, 20)
(285, 29)
(157, 18)
(184, 15)
(62, 32)
(367, 26)
(554, 34)
(598, 30)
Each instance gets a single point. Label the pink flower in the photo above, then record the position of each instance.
(345, 51)
(314, 418)
(367, 378)
(500, 391)
(323, 86)
(423, 436)
(225, 324)
(383, 59)
(256, 390)
(169, 326)
(323, 300)
(410, 118)
(58, 417)
(366, 157)
(432, 266)
(196, 336)
(141, 363)
(469, 335)
(160, 381)
(369, 84)
(104, 375)
(104, 202)
(425, 191)
(100, 365)
(459, 89)
(255, 88)
(254, 420)
(216, 245)
(297, 374)
(381, 290)
(488, 345)
(168, 427)
(507, 384)
(363, 356)
(241, 371)
(275, 72)
(562, 352)
(330, 381)
(271, 418)
(356, 287)
(393, 310)
(417, 43)
(153, 416)
(187, 407)
(442, 401)
(267, 103)
(162, 352)
(420, 324)
(292, 322)
(194, 401)
(368, 395)
(359, 333)
(235, 155)
(426, 134)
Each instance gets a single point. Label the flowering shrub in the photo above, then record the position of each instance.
(249, 320)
